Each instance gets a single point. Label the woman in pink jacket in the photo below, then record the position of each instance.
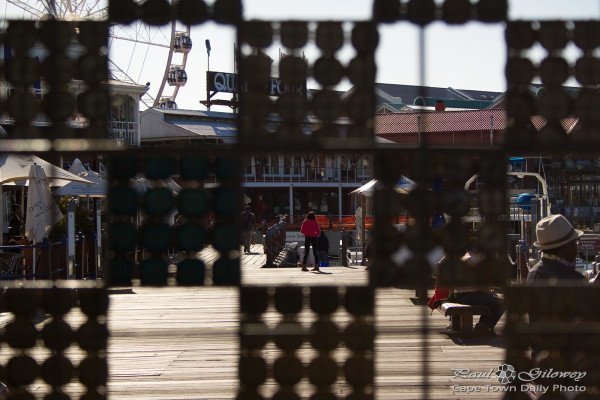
(310, 229)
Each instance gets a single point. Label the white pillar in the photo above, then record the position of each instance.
(138, 122)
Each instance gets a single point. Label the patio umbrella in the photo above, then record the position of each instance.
(524, 200)
(100, 188)
(77, 167)
(403, 186)
(141, 185)
(42, 211)
(14, 171)
(366, 189)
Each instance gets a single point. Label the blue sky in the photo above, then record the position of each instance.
(470, 56)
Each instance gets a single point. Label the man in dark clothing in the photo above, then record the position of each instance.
(322, 247)
(558, 241)
(248, 226)
(15, 224)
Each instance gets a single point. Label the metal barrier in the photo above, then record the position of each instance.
(273, 242)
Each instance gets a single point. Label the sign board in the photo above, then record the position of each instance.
(225, 82)
(294, 236)
(589, 245)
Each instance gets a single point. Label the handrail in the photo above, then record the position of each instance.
(274, 242)
(521, 175)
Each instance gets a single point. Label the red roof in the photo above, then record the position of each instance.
(442, 121)
(453, 121)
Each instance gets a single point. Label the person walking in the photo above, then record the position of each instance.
(310, 229)
(248, 226)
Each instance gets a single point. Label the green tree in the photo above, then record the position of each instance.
(84, 221)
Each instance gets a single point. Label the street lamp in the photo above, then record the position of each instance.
(207, 42)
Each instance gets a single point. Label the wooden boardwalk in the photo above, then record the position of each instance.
(181, 343)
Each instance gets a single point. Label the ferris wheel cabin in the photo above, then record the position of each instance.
(183, 43)
(167, 103)
(177, 77)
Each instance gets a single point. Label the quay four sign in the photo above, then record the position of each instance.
(230, 83)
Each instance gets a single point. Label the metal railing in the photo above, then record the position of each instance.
(273, 242)
(313, 174)
(124, 130)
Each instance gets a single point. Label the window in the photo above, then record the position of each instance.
(247, 163)
(292, 165)
(122, 108)
(363, 167)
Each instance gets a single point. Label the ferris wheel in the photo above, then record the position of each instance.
(132, 49)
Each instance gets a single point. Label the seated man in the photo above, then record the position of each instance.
(479, 296)
(558, 241)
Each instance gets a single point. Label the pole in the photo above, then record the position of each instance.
(71, 206)
(33, 258)
(344, 247)
(522, 251)
(340, 202)
(492, 130)
(83, 260)
(2, 216)
(98, 237)
(363, 231)
(291, 193)
(207, 43)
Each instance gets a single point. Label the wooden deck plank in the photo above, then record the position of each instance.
(182, 343)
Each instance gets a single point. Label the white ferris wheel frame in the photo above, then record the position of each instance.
(97, 10)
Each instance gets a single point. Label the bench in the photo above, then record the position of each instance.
(462, 316)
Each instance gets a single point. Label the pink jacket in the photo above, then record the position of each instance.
(310, 227)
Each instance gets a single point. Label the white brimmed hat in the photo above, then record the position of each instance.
(555, 231)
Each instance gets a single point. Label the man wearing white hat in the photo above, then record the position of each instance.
(558, 241)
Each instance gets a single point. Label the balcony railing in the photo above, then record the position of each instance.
(124, 130)
(304, 174)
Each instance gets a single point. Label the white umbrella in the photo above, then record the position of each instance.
(42, 211)
(173, 186)
(141, 185)
(403, 186)
(100, 188)
(77, 167)
(366, 189)
(14, 170)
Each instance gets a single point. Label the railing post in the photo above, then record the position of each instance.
(269, 247)
(522, 255)
(281, 244)
(264, 234)
(344, 247)
(71, 207)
